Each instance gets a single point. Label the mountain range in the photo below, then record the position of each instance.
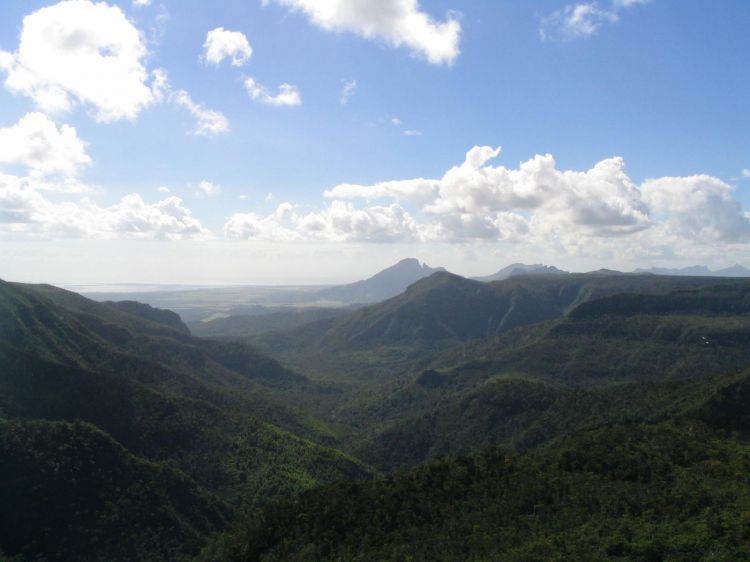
(539, 417)
(700, 270)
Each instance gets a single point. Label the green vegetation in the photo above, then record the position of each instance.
(276, 320)
(569, 417)
(221, 414)
(70, 492)
(663, 492)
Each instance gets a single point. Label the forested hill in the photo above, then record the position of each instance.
(446, 308)
(568, 417)
(671, 491)
(221, 416)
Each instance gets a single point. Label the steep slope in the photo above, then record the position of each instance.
(446, 309)
(623, 337)
(166, 317)
(211, 408)
(70, 492)
(381, 286)
(533, 384)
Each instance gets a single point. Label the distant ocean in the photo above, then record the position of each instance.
(131, 287)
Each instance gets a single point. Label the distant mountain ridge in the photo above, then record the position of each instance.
(521, 269)
(388, 283)
(448, 308)
(736, 270)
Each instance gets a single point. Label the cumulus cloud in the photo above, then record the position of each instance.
(400, 23)
(222, 43)
(38, 144)
(80, 52)
(287, 95)
(24, 211)
(339, 222)
(347, 91)
(582, 19)
(700, 207)
(599, 211)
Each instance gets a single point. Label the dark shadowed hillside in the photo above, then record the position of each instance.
(70, 492)
(211, 410)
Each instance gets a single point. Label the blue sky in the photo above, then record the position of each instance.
(662, 86)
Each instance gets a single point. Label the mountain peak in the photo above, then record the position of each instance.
(385, 284)
(409, 264)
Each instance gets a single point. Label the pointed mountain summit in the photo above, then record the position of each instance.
(521, 269)
(381, 286)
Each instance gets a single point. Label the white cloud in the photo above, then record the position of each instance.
(38, 144)
(400, 23)
(141, 3)
(395, 121)
(339, 222)
(269, 197)
(287, 95)
(208, 189)
(746, 172)
(25, 212)
(78, 51)
(222, 43)
(421, 191)
(347, 91)
(582, 19)
(699, 207)
(209, 122)
(243, 197)
(597, 211)
(163, 189)
(630, 3)
(575, 21)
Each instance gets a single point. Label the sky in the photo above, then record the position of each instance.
(318, 141)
